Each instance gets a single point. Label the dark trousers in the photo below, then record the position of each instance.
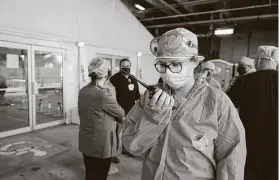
(96, 168)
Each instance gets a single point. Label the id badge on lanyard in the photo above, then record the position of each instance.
(130, 86)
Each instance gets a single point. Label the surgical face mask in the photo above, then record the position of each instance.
(177, 80)
(128, 70)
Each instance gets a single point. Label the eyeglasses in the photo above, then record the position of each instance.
(174, 67)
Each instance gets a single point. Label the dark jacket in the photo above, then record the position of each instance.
(256, 96)
(99, 134)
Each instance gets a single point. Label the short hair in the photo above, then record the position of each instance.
(122, 60)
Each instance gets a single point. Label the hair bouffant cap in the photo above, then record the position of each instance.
(211, 66)
(268, 52)
(98, 66)
(177, 43)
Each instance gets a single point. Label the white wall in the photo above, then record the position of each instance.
(148, 75)
(106, 26)
(232, 48)
(102, 23)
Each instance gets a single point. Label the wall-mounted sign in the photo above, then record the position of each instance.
(12, 61)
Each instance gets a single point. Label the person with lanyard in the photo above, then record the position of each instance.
(211, 69)
(185, 129)
(127, 91)
(100, 121)
(256, 96)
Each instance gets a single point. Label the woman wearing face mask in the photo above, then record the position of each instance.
(100, 118)
(245, 66)
(188, 130)
(210, 69)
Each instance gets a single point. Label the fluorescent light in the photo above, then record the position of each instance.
(227, 31)
(139, 7)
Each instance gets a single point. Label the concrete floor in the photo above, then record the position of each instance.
(69, 164)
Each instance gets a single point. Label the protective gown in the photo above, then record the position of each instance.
(168, 139)
(214, 83)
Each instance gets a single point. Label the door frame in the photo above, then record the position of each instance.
(33, 80)
(30, 127)
(31, 87)
(113, 60)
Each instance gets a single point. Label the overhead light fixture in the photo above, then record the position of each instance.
(139, 7)
(139, 54)
(80, 44)
(223, 31)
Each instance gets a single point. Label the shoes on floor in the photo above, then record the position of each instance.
(112, 170)
(115, 160)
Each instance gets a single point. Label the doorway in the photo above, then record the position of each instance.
(31, 88)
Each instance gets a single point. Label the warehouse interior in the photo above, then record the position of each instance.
(46, 46)
(203, 17)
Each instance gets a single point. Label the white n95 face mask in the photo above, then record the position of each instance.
(175, 80)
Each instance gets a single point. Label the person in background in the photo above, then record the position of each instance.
(100, 118)
(211, 69)
(187, 129)
(3, 86)
(127, 91)
(246, 66)
(256, 96)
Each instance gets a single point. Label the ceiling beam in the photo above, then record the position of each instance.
(188, 4)
(170, 7)
(217, 21)
(210, 12)
(155, 4)
(185, 7)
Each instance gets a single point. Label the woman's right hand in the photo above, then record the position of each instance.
(161, 100)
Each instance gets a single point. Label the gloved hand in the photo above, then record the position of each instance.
(161, 100)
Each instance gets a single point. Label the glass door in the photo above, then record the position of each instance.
(47, 82)
(113, 60)
(15, 106)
